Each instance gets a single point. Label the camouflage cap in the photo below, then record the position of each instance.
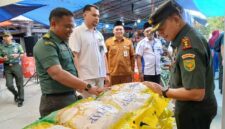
(6, 33)
(163, 12)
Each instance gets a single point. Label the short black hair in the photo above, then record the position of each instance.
(59, 12)
(118, 23)
(89, 6)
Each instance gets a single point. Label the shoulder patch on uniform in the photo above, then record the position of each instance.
(189, 64)
(186, 43)
(189, 55)
(47, 36)
(49, 43)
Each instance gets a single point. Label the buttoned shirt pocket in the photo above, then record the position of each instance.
(15, 50)
(112, 57)
(157, 50)
(147, 48)
(175, 79)
(4, 52)
(148, 51)
(64, 54)
(113, 50)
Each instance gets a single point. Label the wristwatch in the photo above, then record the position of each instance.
(164, 91)
(88, 87)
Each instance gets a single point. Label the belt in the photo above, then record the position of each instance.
(60, 94)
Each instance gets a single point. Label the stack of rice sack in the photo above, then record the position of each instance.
(125, 106)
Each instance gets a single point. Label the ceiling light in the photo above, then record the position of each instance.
(138, 20)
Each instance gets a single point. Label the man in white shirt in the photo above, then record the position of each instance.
(148, 55)
(89, 49)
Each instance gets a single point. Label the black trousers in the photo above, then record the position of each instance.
(195, 116)
(51, 103)
(152, 78)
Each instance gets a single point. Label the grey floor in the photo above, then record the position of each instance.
(12, 117)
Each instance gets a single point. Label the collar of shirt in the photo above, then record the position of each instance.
(149, 41)
(56, 38)
(9, 45)
(86, 28)
(183, 31)
(116, 40)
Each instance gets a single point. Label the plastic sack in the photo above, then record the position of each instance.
(28, 66)
(88, 115)
(125, 106)
(130, 87)
(45, 125)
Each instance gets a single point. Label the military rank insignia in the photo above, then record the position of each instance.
(189, 61)
(49, 43)
(186, 43)
(150, 21)
(47, 36)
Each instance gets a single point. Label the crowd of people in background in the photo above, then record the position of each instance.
(98, 61)
(216, 46)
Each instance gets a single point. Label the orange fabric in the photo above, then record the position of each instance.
(120, 56)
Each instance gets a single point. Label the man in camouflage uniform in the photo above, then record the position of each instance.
(10, 54)
(55, 65)
(191, 83)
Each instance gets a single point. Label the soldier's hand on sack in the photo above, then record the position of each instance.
(106, 88)
(155, 87)
(95, 90)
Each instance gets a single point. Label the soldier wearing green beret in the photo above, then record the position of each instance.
(55, 65)
(11, 53)
(191, 83)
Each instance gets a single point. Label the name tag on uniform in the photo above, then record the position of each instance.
(125, 53)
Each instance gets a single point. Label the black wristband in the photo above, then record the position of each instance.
(164, 91)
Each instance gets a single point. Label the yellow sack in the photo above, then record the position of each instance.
(89, 115)
(45, 125)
